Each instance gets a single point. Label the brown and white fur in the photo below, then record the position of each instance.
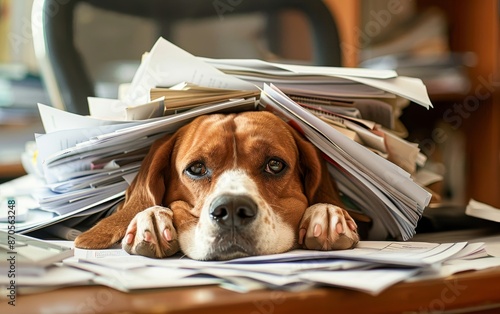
(227, 186)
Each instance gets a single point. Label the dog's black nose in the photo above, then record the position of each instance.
(231, 210)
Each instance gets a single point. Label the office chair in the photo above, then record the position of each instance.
(69, 83)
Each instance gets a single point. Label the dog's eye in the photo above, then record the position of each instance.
(197, 169)
(275, 166)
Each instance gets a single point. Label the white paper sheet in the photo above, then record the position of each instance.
(167, 65)
(282, 68)
(383, 252)
(371, 281)
(143, 277)
(54, 119)
(385, 80)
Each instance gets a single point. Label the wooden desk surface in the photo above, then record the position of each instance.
(472, 292)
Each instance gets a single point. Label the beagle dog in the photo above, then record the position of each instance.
(228, 186)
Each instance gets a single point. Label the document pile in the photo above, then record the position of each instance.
(371, 267)
(351, 115)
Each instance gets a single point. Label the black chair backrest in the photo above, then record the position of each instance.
(67, 79)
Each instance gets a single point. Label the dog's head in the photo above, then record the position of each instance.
(238, 184)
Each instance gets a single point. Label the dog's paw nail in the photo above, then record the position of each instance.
(317, 231)
(302, 233)
(129, 238)
(339, 228)
(352, 225)
(147, 236)
(167, 234)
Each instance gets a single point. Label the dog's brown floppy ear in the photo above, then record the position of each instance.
(318, 184)
(147, 189)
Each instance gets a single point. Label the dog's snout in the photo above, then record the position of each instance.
(233, 210)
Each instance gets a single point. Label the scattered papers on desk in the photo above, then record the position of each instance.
(388, 253)
(29, 256)
(45, 276)
(371, 267)
(55, 277)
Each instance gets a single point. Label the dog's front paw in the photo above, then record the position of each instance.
(151, 233)
(327, 227)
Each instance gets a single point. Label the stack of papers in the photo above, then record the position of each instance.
(88, 162)
(187, 95)
(382, 190)
(327, 81)
(362, 104)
